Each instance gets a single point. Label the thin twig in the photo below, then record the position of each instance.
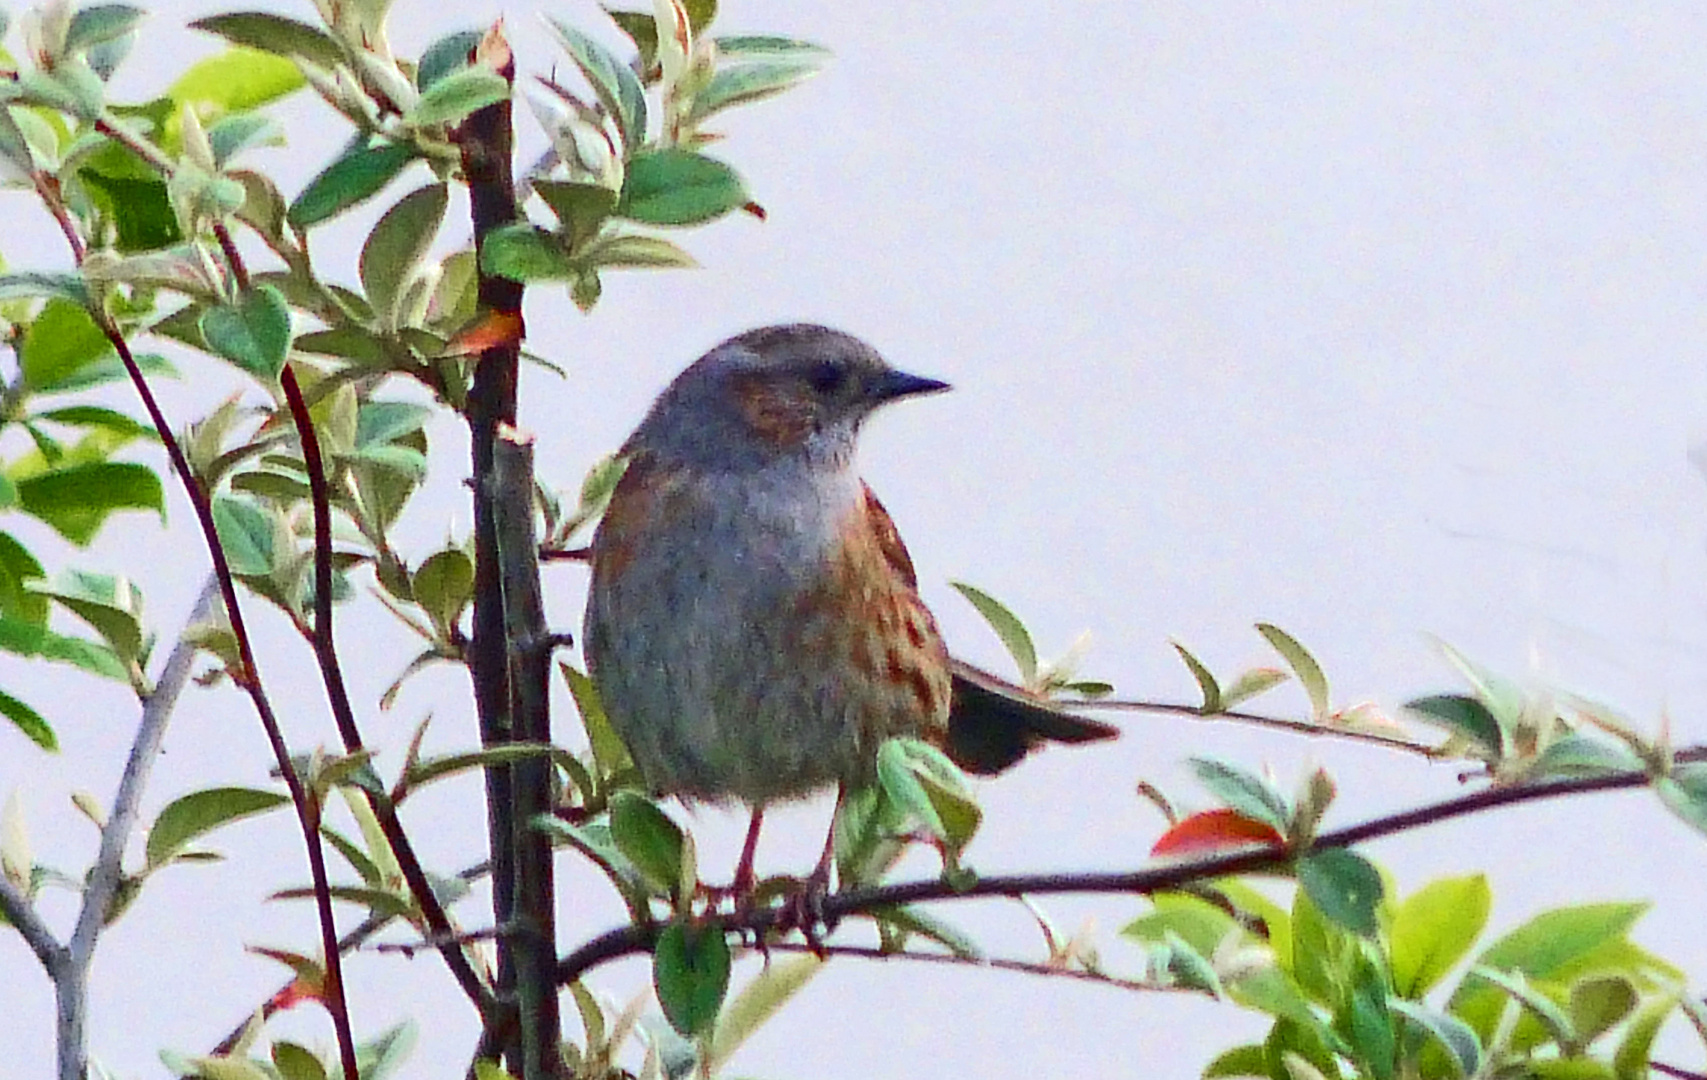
(248, 677)
(325, 646)
(627, 940)
(108, 870)
(72, 1065)
(1297, 727)
(18, 910)
(996, 963)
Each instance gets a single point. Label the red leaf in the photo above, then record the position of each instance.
(1215, 830)
(490, 331)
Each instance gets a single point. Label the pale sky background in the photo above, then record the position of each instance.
(1372, 321)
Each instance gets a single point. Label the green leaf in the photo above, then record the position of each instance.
(381, 1056)
(1577, 755)
(274, 34)
(1630, 1060)
(700, 13)
(616, 86)
(580, 208)
(1247, 1060)
(757, 1002)
(690, 972)
(254, 333)
(648, 839)
(1684, 793)
(742, 46)
(1015, 638)
(232, 134)
(443, 57)
(111, 606)
(1548, 945)
(29, 285)
(190, 816)
(100, 418)
(140, 208)
(1212, 701)
(397, 245)
(349, 342)
(641, 28)
(17, 568)
(110, 369)
(1302, 664)
(296, 1063)
(237, 80)
(1457, 1037)
(246, 533)
(1543, 1008)
(429, 769)
(672, 186)
(901, 783)
(1344, 886)
(1503, 698)
(61, 339)
(1597, 1004)
(1433, 929)
(740, 84)
(453, 97)
(1243, 791)
(382, 422)
(524, 253)
(636, 252)
(100, 23)
(1462, 716)
(76, 500)
(1194, 920)
(609, 753)
(28, 721)
(1251, 683)
(32, 639)
(359, 175)
(444, 586)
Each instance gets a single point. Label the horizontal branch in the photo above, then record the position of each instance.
(627, 940)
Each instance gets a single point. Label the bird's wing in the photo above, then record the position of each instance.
(889, 539)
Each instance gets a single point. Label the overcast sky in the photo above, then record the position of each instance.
(1372, 321)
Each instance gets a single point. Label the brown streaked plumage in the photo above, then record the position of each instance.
(754, 623)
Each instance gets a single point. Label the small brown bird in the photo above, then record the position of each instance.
(754, 622)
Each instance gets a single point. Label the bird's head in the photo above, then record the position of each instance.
(797, 391)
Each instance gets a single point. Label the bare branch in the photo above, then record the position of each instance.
(1173, 874)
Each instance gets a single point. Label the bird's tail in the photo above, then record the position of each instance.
(993, 723)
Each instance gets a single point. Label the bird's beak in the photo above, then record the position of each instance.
(894, 385)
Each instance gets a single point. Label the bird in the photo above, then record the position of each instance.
(754, 625)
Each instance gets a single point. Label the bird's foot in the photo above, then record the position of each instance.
(803, 910)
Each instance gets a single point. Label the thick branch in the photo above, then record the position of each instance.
(486, 143)
(534, 940)
(632, 939)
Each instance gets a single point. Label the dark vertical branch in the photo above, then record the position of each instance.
(486, 143)
(534, 929)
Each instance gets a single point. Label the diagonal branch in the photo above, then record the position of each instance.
(21, 913)
(627, 940)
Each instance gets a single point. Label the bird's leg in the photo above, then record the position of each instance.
(745, 879)
(804, 910)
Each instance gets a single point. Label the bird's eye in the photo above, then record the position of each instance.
(827, 376)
